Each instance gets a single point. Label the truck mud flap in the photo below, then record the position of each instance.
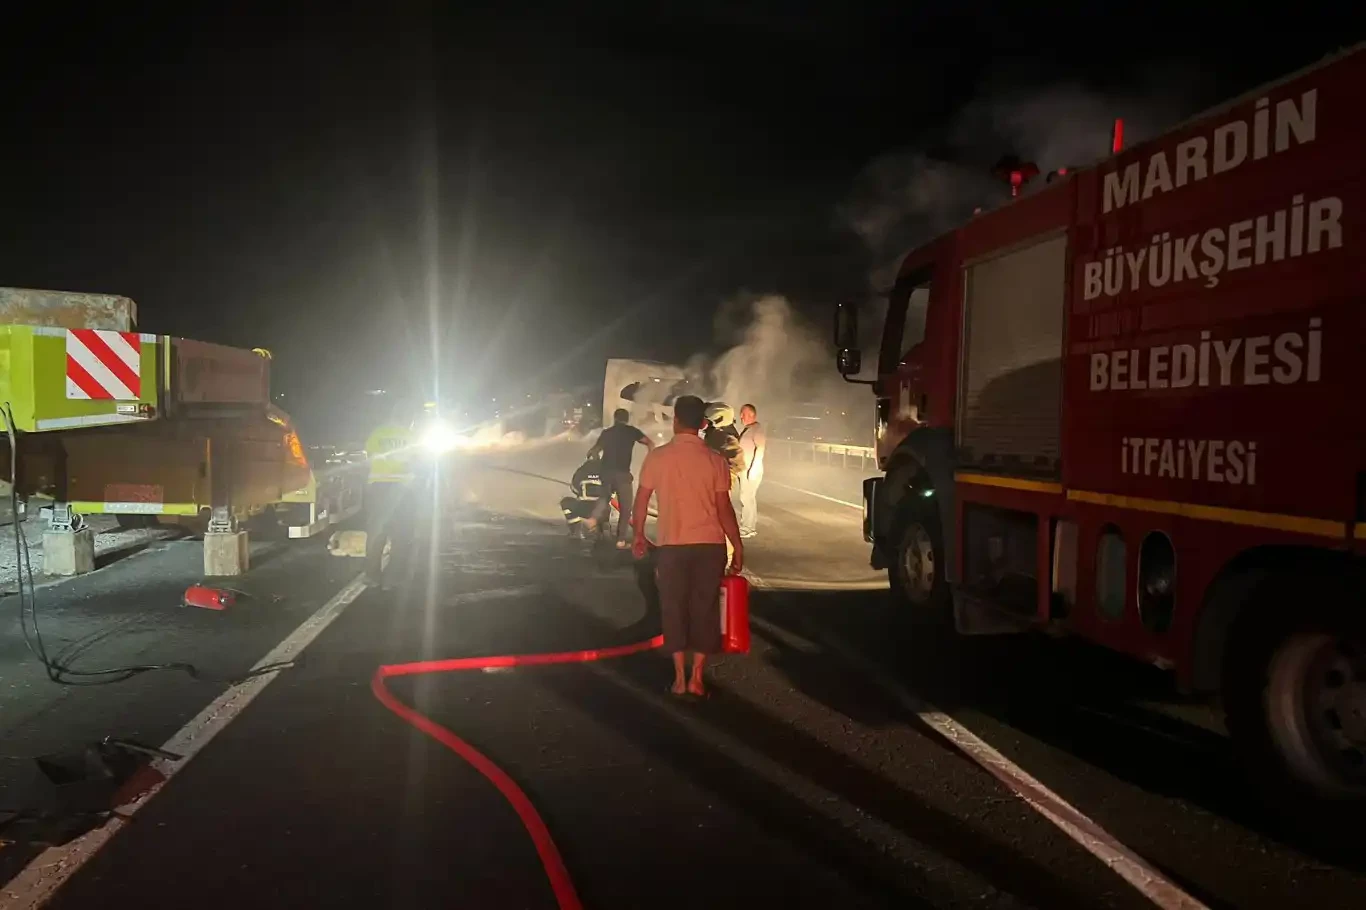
(297, 532)
(337, 516)
(321, 521)
(340, 498)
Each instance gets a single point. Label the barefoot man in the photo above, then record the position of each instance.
(695, 520)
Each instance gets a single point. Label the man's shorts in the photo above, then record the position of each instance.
(689, 579)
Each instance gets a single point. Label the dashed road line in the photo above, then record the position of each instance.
(492, 594)
(841, 502)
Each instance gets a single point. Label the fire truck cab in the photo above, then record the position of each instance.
(1127, 405)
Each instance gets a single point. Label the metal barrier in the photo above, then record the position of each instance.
(860, 458)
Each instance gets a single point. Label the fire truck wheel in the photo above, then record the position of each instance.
(1295, 697)
(128, 522)
(914, 573)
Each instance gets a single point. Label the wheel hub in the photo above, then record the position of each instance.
(1341, 697)
(1317, 708)
(918, 563)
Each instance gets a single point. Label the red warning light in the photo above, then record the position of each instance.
(1117, 137)
(1015, 172)
(1062, 171)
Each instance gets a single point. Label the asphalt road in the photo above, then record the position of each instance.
(129, 612)
(804, 780)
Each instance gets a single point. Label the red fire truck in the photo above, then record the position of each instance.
(1127, 405)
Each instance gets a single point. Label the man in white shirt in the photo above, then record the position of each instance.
(753, 441)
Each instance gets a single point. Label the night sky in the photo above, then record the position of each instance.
(557, 186)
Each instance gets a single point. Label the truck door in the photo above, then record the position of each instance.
(913, 513)
(903, 395)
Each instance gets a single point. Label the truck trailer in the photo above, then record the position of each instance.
(102, 418)
(647, 390)
(1125, 405)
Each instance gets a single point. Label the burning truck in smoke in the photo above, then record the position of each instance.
(647, 389)
(773, 358)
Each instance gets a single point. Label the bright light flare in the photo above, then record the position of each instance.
(439, 437)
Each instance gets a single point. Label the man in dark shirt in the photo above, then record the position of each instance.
(615, 445)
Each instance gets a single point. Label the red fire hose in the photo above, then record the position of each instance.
(555, 870)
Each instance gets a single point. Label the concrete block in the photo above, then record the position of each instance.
(69, 552)
(225, 554)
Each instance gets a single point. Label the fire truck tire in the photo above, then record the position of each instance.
(914, 573)
(128, 522)
(1295, 698)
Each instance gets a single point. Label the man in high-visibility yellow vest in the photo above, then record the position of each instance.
(393, 452)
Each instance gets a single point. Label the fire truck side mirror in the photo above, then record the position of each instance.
(848, 358)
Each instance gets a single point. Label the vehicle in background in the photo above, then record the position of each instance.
(647, 389)
(335, 491)
(1128, 405)
(148, 428)
(112, 420)
(549, 415)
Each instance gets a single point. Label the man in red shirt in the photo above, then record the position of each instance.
(695, 520)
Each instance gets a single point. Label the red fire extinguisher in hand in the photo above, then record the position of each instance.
(734, 603)
(734, 614)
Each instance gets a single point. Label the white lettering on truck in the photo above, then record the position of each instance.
(1300, 230)
(1224, 148)
(1283, 359)
(1211, 460)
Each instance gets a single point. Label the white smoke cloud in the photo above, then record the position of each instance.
(784, 364)
(911, 186)
(908, 196)
(1067, 125)
(779, 361)
(778, 357)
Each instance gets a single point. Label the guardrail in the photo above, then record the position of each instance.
(861, 458)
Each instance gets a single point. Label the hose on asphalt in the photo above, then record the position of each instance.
(560, 882)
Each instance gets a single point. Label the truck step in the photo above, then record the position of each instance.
(975, 614)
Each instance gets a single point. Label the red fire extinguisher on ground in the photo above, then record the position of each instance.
(734, 615)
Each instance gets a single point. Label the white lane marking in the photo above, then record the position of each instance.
(779, 583)
(804, 584)
(841, 502)
(39, 880)
(1151, 883)
(491, 594)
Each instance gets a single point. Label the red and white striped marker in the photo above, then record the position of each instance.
(103, 365)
